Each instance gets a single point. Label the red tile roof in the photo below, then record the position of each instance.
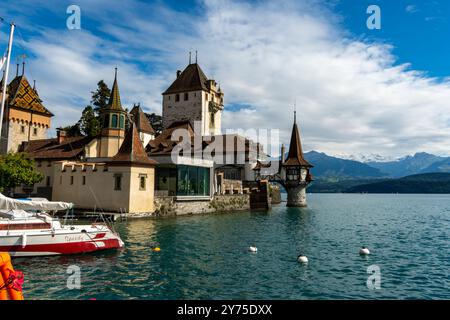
(132, 151)
(141, 120)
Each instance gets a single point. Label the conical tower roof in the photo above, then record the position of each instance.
(295, 155)
(132, 151)
(114, 100)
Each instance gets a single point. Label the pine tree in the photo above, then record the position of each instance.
(90, 122)
(100, 97)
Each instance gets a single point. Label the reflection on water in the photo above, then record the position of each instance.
(206, 257)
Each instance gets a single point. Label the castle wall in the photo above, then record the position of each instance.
(108, 146)
(166, 206)
(182, 110)
(196, 108)
(23, 126)
(98, 190)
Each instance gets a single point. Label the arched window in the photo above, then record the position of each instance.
(122, 122)
(114, 119)
(106, 121)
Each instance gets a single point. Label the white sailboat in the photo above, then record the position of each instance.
(27, 229)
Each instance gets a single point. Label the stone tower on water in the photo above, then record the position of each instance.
(296, 171)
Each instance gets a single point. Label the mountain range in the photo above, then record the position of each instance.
(329, 167)
(436, 183)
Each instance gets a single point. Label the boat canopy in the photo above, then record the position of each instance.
(15, 204)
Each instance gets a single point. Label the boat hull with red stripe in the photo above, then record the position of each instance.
(43, 235)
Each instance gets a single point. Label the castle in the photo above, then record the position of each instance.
(127, 167)
(25, 117)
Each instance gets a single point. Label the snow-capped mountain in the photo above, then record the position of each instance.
(366, 158)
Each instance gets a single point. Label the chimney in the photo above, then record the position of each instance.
(283, 153)
(178, 73)
(61, 135)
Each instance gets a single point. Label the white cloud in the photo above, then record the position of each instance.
(351, 96)
(412, 8)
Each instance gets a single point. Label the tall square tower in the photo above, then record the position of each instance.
(194, 97)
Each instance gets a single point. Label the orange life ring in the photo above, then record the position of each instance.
(9, 291)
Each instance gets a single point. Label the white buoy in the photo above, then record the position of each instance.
(302, 258)
(253, 249)
(364, 251)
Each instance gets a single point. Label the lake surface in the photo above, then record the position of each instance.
(206, 257)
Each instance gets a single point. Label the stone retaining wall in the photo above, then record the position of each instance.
(167, 206)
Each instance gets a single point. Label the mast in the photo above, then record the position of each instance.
(5, 78)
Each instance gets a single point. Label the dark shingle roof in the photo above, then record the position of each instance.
(141, 120)
(163, 143)
(70, 148)
(295, 155)
(192, 78)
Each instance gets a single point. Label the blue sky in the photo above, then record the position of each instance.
(357, 90)
(418, 30)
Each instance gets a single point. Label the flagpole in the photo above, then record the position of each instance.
(5, 78)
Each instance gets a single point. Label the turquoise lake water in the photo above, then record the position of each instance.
(206, 257)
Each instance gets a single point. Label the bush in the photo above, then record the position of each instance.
(17, 169)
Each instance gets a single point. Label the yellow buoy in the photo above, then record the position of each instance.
(157, 249)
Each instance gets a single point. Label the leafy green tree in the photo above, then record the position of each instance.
(17, 169)
(73, 131)
(156, 122)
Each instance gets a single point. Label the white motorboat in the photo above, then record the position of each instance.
(27, 229)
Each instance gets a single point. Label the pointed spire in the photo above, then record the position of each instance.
(196, 56)
(295, 111)
(17, 70)
(23, 68)
(295, 155)
(34, 85)
(190, 57)
(114, 99)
